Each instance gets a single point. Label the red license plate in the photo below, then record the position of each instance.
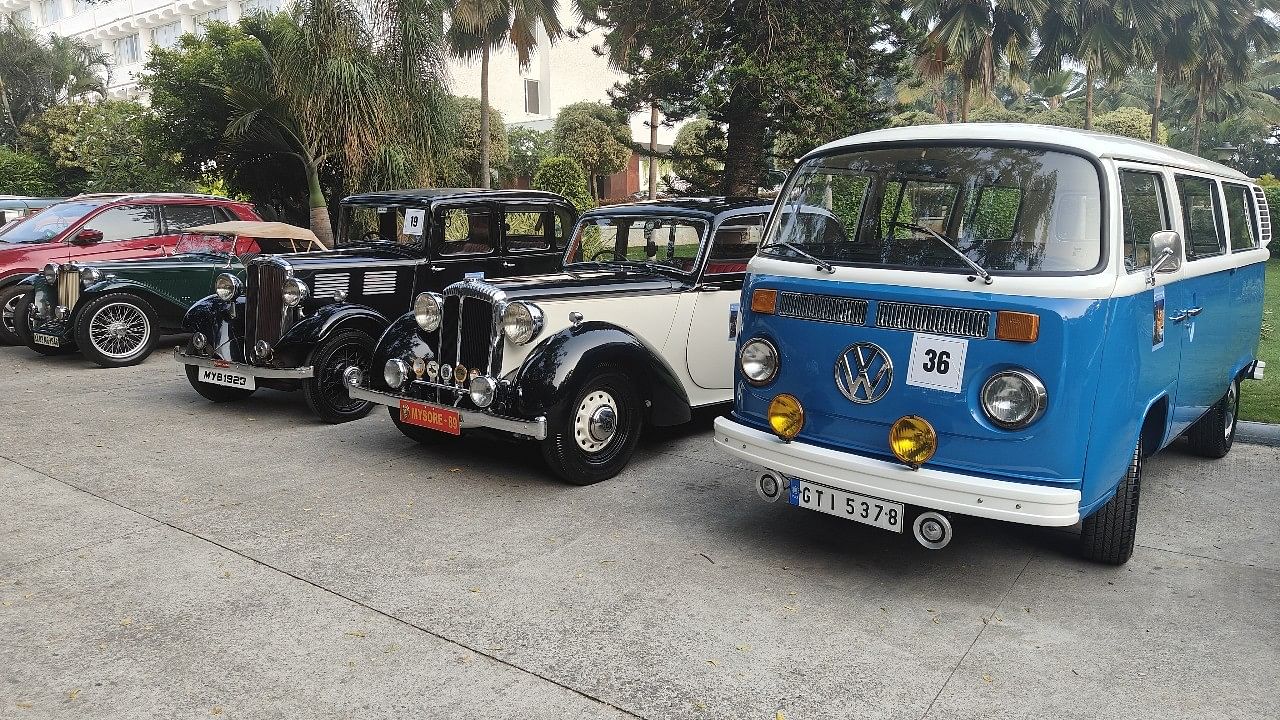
(431, 417)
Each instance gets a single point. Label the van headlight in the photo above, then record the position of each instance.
(395, 372)
(50, 273)
(428, 310)
(89, 276)
(1013, 399)
(295, 291)
(521, 321)
(758, 361)
(227, 287)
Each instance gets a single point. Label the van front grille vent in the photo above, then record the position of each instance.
(933, 319)
(823, 308)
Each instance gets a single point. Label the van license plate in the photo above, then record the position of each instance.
(43, 339)
(883, 514)
(430, 417)
(217, 376)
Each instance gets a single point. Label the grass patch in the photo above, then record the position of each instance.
(1260, 401)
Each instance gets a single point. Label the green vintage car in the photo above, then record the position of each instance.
(114, 312)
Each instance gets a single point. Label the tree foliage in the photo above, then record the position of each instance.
(1130, 122)
(38, 72)
(24, 174)
(461, 163)
(596, 135)
(561, 174)
(695, 156)
(528, 147)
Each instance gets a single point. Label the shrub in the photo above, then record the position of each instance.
(596, 135)
(560, 174)
(1060, 118)
(995, 113)
(23, 174)
(697, 153)
(1129, 122)
(914, 117)
(529, 147)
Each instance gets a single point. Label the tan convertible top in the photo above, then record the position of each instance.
(259, 229)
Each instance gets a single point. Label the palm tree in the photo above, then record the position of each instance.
(1226, 40)
(37, 72)
(1055, 87)
(478, 27)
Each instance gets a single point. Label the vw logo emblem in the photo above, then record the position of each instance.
(864, 373)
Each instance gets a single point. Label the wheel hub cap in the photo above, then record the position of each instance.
(1229, 423)
(596, 422)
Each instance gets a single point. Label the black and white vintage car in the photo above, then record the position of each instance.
(638, 327)
(300, 321)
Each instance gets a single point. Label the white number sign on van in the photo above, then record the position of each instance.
(414, 221)
(937, 362)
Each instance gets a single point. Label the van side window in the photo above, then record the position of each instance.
(1201, 217)
(1144, 212)
(1241, 221)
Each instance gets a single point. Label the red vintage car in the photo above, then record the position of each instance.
(106, 226)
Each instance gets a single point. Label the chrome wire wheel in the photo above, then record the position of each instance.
(1230, 408)
(596, 421)
(119, 330)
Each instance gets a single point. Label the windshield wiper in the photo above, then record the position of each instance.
(977, 269)
(822, 264)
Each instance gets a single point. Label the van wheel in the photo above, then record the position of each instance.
(1213, 434)
(215, 393)
(9, 299)
(424, 436)
(1108, 535)
(326, 392)
(23, 324)
(599, 430)
(116, 330)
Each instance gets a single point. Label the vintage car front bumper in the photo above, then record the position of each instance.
(535, 428)
(300, 373)
(926, 487)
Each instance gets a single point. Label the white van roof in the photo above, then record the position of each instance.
(1099, 145)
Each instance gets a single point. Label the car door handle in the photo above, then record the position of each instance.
(508, 264)
(709, 287)
(435, 268)
(152, 247)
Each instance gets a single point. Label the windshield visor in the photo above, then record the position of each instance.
(45, 225)
(669, 243)
(1011, 210)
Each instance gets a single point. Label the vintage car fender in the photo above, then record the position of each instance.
(328, 319)
(212, 316)
(402, 339)
(146, 292)
(18, 279)
(550, 374)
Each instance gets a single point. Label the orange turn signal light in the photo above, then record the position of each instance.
(764, 301)
(1017, 326)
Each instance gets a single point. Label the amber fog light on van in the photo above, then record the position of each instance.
(227, 287)
(786, 416)
(758, 361)
(394, 373)
(522, 322)
(294, 292)
(1014, 399)
(428, 310)
(913, 440)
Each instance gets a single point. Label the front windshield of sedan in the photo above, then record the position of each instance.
(642, 240)
(371, 223)
(46, 224)
(1015, 210)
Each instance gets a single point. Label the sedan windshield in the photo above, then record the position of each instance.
(370, 223)
(46, 224)
(669, 243)
(1011, 210)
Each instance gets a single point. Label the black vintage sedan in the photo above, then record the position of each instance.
(298, 322)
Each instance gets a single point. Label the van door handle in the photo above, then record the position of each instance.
(1192, 312)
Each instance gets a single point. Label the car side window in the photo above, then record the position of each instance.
(465, 231)
(180, 217)
(125, 222)
(529, 228)
(1242, 223)
(1201, 217)
(734, 244)
(1144, 212)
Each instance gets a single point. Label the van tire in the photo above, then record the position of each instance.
(1108, 535)
(1213, 434)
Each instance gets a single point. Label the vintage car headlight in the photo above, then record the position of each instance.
(395, 372)
(428, 310)
(50, 273)
(89, 276)
(295, 291)
(227, 287)
(1014, 399)
(522, 322)
(482, 390)
(758, 361)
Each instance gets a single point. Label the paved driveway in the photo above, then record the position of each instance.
(161, 556)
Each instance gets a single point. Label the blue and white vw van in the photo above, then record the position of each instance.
(995, 320)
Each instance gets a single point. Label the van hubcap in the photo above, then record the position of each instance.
(1229, 424)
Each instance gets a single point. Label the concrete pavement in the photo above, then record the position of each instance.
(161, 556)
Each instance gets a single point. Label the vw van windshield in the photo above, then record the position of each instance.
(1008, 209)
(648, 241)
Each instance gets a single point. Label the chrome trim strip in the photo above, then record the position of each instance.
(253, 370)
(535, 428)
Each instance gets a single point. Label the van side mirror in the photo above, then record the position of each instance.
(1165, 245)
(87, 236)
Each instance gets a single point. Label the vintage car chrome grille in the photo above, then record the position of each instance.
(264, 305)
(327, 285)
(468, 335)
(1264, 216)
(380, 283)
(933, 319)
(69, 287)
(823, 308)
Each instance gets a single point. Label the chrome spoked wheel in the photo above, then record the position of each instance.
(9, 311)
(1231, 404)
(119, 330)
(596, 421)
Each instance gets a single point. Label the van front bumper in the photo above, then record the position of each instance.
(926, 487)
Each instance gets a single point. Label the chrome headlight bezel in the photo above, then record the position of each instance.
(227, 287)
(521, 322)
(90, 276)
(483, 390)
(428, 311)
(395, 373)
(1034, 389)
(294, 292)
(50, 273)
(762, 352)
